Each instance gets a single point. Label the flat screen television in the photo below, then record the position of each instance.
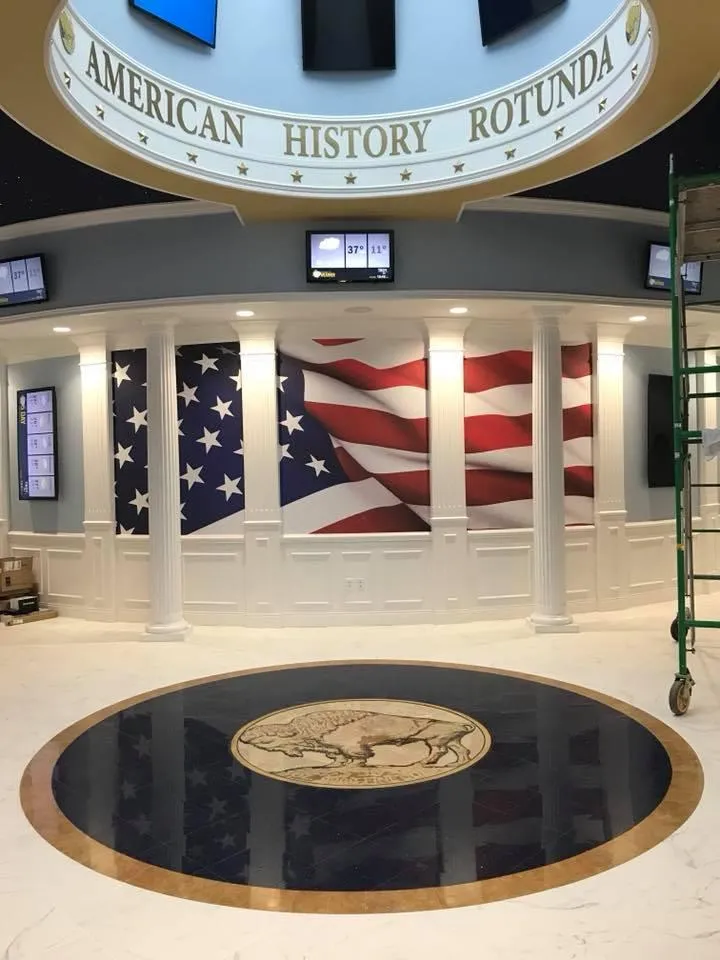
(342, 35)
(350, 257)
(194, 18)
(37, 444)
(659, 269)
(660, 453)
(22, 280)
(499, 18)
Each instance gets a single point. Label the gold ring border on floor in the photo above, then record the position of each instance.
(678, 81)
(681, 800)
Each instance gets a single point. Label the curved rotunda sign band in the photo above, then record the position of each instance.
(501, 132)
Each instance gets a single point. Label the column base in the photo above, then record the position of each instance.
(167, 632)
(540, 624)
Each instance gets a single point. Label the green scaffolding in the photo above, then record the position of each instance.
(694, 236)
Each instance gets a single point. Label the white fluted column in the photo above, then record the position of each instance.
(550, 592)
(612, 574)
(263, 525)
(448, 508)
(166, 587)
(4, 461)
(99, 520)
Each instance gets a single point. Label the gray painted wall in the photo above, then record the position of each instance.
(214, 255)
(643, 503)
(66, 514)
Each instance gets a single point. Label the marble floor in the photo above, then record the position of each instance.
(55, 673)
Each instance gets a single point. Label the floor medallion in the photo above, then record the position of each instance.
(356, 787)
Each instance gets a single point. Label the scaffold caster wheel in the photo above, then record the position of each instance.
(679, 699)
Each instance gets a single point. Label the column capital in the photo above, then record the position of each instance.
(610, 339)
(160, 323)
(257, 337)
(93, 348)
(446, 333)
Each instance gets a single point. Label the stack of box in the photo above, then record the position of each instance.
(19, 599)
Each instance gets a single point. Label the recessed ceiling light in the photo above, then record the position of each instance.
(62, 330)
(640, 318)
(245, 313)
(458, 310)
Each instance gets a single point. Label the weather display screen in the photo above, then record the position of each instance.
(196, 18)
(37, 444)
(350, 257)
(22, 281)
(660, 269)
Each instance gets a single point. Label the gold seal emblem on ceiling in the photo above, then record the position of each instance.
(361, 744)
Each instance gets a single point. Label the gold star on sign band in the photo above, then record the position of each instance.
(242, 169)
(143, 137)
(350, 178)
(100, 112)
(296, 177)
(602, 105)
(634, 71)
(560, 133)
(510, 154)
(458, 167)
(192, 157)
(406, 174)
(67, 80)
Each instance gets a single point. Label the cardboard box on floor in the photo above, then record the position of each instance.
(16, 573)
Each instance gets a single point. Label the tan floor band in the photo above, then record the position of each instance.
(678, 81)
(681, 800)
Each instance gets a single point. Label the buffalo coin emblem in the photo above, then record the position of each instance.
(356, 744)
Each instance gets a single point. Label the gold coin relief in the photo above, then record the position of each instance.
(67, 32)
(361, 744)
(633, 22)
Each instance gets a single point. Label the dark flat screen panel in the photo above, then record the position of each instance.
(343, 35)
(499, 18)
(660, 459)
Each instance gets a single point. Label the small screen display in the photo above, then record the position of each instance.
(660, 269)
(22, 281)
(37, 444)
(350, 257)
(196, 18)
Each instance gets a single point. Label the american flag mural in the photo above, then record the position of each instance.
(209, 388)
(354, 436)
(498, 436)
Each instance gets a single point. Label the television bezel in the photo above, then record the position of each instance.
(25, 303)
(24, 392)
(309, 234)
(649, 286)
(359, 70)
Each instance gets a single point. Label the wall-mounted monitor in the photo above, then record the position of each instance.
(350, 257)
(660, 455)
(343, 35)
(660, 269)
(37, 444)
(22, 280)
(499, 18)
(194, 18)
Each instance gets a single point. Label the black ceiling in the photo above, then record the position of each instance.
(36, 181)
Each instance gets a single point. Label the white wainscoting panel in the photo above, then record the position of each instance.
(362, 579)
(387, 578)
(651, 560)
(581, 567)
(59, 565)
(500, 572)
(214, 578)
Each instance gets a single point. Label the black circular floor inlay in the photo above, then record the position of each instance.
(558, 775)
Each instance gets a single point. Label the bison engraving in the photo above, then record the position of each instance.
(350, 736)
